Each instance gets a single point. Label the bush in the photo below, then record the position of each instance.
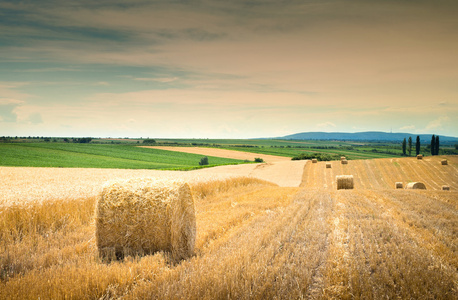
(82, 140)
(203, 161)
(318, 156)
(149, 141)
(258, 160)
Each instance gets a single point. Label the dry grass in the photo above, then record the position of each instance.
(254, 240)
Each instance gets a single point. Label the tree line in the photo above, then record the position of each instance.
(407, 145)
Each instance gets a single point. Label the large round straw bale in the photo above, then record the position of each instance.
(344, 162)
(314, 160)
(419, 156)
(328, 165)
(444, 162)
(343, 158)
(398, 185)
(142, 216)
(416, 186)
(344, 182)
(445, 188)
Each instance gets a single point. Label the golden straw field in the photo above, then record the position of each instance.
(255, 239)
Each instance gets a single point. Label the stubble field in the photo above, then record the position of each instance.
(254, 239)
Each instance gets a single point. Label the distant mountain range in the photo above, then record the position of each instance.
(364, 136)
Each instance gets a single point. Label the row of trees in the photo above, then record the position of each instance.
(407, 145)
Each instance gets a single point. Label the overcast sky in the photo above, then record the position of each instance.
(227, 69)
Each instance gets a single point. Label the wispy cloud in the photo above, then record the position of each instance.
(163, 80)
(326, 125)
(261, 65)
(7, 109)
(50, 70)
(408, 127)
(438, 123)
(35, 118)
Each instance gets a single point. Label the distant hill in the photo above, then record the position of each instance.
(364, 136)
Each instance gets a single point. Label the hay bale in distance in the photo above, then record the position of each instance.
(444, 162)
(445, 188)
(328, 165)
(344, 182)
(344, 162)
(416, 186)
(314, 160)
(419, 156)
(142, 216)
(399, 185)
(343, 158)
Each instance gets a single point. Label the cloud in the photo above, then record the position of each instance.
(101, 83)
(162, 80)
(408, 127)
(35, 118)
(326, 125)
(49, 70)
(438, 124)
(7, 107)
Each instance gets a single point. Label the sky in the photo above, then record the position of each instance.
(227, 69)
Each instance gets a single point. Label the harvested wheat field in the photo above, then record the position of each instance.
(254, 239)
(384, 173)
(223, 153)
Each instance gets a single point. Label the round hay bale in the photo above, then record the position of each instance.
(344, 182)
(142, 216)
(344, 162)
(416, 186)
(314, 160)
(399, 185)
(419, 156)
(343, 158)
(328, 165)
(445, 188)
(444, 162)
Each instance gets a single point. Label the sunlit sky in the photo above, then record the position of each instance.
(227, 69)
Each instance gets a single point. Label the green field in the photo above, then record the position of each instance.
(123, 154)
(289, 148)
(71, 155)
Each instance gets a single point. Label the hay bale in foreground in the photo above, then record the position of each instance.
(416, 186)
(328, 165)
(445, 188)
(419, 156)
(142, 216)
(314, 160)
(444, 162)
(399, 185)
(344, 162)
(344, 182)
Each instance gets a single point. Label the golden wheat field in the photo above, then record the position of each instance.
(255, 239)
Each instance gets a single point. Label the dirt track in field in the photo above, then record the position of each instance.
(277, 169)
(283, 173)
(223, 153)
